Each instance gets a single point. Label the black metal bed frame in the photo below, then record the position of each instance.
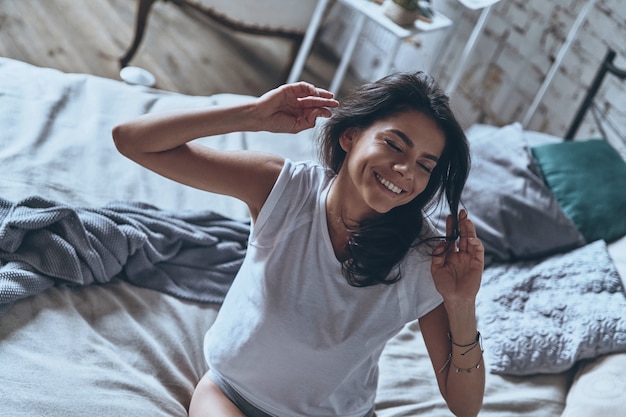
(607, 66)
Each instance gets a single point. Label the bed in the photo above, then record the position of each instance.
(125, 337)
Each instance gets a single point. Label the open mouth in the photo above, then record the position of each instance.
(390, 186)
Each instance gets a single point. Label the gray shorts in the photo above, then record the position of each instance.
(244, 405)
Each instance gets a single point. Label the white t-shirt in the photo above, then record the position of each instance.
(293, 337)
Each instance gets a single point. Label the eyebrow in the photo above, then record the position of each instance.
(410, 144)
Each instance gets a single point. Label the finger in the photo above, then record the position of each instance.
(476, 249)
(303, 88)
(324, 93)
(467, 228)
(316, 91)
(312, 101)
(312, 116)
(438, 258)
(322, 112)
(463, 232)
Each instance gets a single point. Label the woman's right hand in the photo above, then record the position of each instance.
(292, 108)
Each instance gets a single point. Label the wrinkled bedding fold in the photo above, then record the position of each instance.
(188, 254)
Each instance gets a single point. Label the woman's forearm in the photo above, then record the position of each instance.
(287, 109)
(157, 132)
(465, 383)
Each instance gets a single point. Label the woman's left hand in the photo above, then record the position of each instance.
(457, 266)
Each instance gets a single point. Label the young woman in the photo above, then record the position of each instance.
(340, 255)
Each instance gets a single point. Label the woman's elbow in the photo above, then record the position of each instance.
(466, 410)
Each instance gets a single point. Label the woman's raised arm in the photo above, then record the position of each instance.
(162, 142)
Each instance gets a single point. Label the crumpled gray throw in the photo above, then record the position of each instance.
(189, 254)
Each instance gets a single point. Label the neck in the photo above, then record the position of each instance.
(340, 207)
(338, 222)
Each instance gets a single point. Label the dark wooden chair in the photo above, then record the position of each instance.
(280, 18)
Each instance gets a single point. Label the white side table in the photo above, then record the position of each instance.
(365, 9)
(485, 5)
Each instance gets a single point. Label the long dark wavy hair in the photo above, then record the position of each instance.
(377, 245)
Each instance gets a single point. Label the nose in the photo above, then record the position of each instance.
(402, 168)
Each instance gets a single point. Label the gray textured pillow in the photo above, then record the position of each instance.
(515, 214)
(543, 316)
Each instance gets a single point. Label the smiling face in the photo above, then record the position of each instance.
(388, 164)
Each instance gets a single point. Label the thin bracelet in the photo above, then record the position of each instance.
(476, 342)
(467, 370)
(445, 365)
(469, 344)
(458, 369)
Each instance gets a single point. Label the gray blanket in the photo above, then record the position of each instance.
(191, 255)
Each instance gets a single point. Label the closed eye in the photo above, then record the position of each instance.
(425, 167)
(393, 145)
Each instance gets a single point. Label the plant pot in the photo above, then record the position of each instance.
(399, 14)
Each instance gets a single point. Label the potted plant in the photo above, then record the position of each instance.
(405, 12)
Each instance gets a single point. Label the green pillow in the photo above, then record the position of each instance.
(588, 179)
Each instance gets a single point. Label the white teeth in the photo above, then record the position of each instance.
(389, 185)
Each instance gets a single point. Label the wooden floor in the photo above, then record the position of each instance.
(186, 52)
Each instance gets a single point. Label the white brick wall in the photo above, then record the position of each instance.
(517, 48)
(529, 34)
